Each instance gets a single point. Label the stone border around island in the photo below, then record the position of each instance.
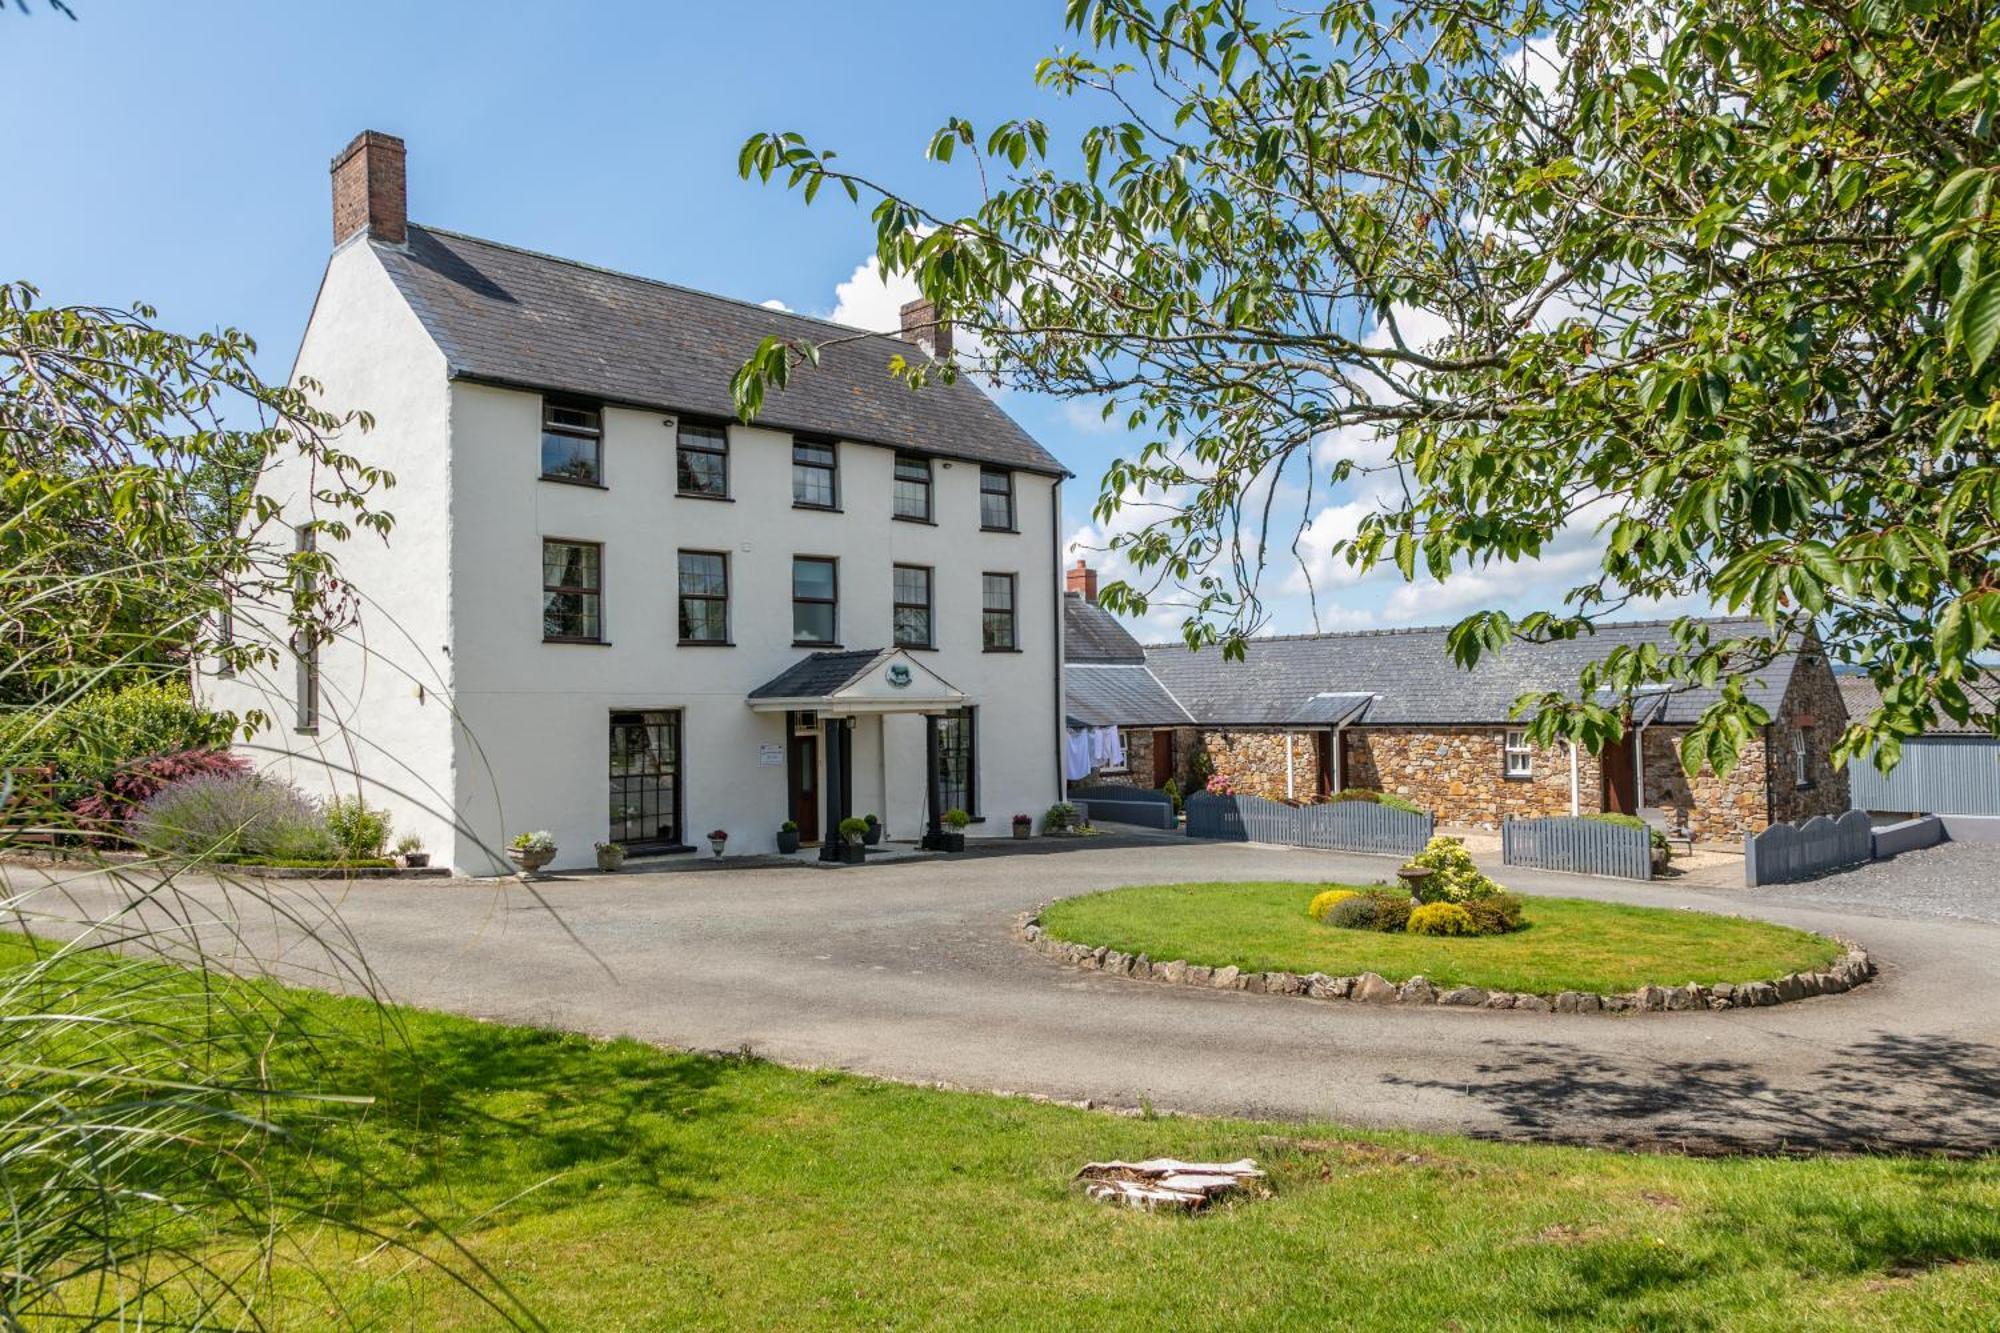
(1845, 973)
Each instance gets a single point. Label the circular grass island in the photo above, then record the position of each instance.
(1573, 945)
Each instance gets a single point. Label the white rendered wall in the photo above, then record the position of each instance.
(385, 683)
(533, 750)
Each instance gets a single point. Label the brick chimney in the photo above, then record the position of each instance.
(368, 190)
(922, 327)
(1082, 580)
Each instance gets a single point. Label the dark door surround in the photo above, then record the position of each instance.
(802, 781)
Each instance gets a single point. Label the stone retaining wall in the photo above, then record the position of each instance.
(1843, 974)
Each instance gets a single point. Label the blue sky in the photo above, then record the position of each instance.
(175, 152)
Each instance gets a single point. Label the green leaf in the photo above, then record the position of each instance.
(1979, 320)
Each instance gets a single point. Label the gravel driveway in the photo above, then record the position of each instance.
(910, 971)
(1954, 881)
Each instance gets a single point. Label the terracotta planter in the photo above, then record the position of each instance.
(528, 861)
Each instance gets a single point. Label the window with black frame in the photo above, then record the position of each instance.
(815, 600)
(701, 460)
(572, 444)
(645, 778)
(958, 785)
(996, 616)
(704, 589)
(572, 591)
(912, 606)
(996, 499)
(815, 478)
(913, 488)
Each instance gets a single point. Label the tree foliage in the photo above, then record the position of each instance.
(1716, 281)
(129, 528)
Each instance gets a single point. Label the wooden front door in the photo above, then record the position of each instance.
(802, 773)
(1323, 762)
(1163, 758)
(1620, 782)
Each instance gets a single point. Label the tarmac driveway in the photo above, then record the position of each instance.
(910, 972)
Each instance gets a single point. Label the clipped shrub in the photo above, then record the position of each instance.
(1440, 919)
(1497, 915)
(121, 794)
(83, 742)
(1060, 818)
(1353, 913)
(224, 815)
(1392, 910)
(1658, 840)
(358, 830)
(1455, 879)
(1373, 797)
(1317, 909)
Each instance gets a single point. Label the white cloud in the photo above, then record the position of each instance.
(775, 304)
(871, 300)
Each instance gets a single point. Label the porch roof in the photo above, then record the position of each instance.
(862, 680)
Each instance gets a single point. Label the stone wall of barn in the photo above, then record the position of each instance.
(1257, 762)
(1814, 715)
(1460, 773)
(1712, 808)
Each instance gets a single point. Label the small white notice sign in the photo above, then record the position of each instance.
(771, 756)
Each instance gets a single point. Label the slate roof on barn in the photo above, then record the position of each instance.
(1862, 698)
(508, 316)
(1092, 634)
(1410, 679)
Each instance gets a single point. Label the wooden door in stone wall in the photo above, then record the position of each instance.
(1621, 796)
(1163, 758)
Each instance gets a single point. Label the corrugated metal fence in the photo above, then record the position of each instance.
(1343, 826)
(1786, 852)
(1937, 775)
(1584, 846)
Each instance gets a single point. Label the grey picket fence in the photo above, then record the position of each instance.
(1581, 846)
(1339, 826)
(1783, 853)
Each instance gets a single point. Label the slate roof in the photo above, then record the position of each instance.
(1114, 695)
(508, 316)
(1862, 698)
(818, 674)
(1092, 634)
(1410, 677)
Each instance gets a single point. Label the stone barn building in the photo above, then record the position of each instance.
(1304, 716)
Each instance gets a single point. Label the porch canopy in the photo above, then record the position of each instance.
(863, 680)
(837, 687)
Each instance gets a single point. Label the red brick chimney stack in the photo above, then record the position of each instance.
(922, 327)
(368, 192)
(1082, 580)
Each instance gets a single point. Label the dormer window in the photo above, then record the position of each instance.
(572, 444)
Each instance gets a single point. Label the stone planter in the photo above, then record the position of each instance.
(1022, 829)
(717, 844)
(1414, 878)
(788, 841)
(611, 858)
(416, 860)
(529, 861)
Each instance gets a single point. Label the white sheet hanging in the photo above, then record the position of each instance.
(1076, 755)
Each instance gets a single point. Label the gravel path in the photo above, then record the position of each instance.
(1954, 881)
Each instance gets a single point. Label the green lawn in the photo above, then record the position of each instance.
(615, 1186)
(1569, 944)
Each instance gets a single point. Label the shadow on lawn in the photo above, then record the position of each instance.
(1888, 1092)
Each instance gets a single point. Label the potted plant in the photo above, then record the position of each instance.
(955, 820)
(874, 834)
(717, 840)
(410, 851)
(1023, 825)
(610, 856)
(852, 833)
(788, 837)
(531, 851)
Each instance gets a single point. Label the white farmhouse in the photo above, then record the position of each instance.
(610, 610)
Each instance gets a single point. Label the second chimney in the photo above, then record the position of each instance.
(368, 190)
(1082, 580)
(922, 327)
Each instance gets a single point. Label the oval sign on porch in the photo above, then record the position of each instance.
(899, 674)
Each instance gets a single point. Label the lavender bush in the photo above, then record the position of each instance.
(228, 815)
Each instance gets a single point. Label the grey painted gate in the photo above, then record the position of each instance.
(1582, 846)
(1346, 826)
